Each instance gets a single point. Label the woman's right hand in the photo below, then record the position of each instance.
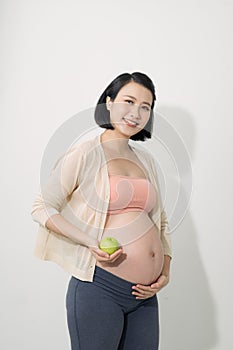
(102, 256)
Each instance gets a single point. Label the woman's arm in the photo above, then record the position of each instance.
(166, 266)
(58, 224)
(164, 228)
(48, 204)
(165, 236)
(52, 196)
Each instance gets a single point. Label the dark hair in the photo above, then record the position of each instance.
(102, 115)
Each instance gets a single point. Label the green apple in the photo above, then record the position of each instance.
(109, 245)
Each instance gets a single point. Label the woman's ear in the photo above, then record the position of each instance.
(108, 102)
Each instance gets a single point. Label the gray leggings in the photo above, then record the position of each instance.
(104, 315)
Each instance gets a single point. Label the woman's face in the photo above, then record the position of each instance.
(130, 111)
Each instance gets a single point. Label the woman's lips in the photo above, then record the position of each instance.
(130, 123)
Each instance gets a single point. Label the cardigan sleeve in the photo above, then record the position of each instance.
(164, 228)
(165, 236)
(62, 181)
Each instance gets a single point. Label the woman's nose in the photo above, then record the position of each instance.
(134, 111)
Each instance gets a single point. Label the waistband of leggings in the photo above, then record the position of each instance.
(110, 277)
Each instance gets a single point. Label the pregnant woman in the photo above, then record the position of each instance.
(132, 197)
(105, 187)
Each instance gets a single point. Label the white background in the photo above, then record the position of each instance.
(57, 57)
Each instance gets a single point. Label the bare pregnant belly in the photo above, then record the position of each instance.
(142, 257)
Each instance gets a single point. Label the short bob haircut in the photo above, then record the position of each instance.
(102, 115)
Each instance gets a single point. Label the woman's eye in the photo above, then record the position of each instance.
(145, 108)
(128, 101)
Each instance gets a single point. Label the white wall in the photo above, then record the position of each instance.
(56, 59)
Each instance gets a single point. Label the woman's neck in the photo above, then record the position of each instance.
(115, 142)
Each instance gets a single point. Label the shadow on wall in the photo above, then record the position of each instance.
(187, 311)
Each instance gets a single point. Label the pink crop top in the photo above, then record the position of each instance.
(130, 194)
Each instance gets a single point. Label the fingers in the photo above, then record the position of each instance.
(144, 290)
(143, 293)
(116, 254)
(100, 255)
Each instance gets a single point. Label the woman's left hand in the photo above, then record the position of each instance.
(144, 291)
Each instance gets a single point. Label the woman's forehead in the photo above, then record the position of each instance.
(136, 91)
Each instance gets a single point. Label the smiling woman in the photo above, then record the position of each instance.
(134, 112)
(133, 96)
(105, 187)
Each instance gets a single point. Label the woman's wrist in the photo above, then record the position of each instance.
(92, 242)
(166, 266)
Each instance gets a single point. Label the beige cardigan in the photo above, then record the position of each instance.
(78, 189)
